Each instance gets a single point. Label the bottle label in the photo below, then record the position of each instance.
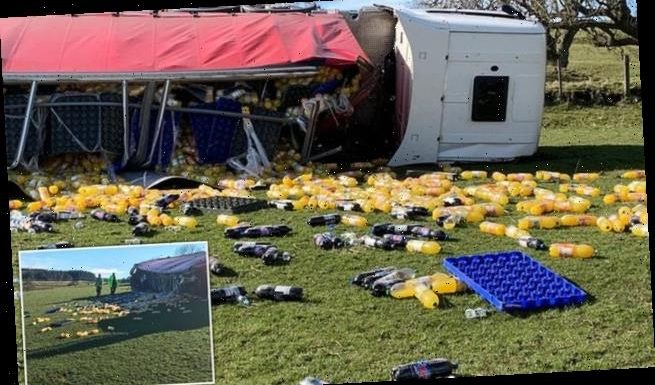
(566, 250)
(284, 290)
(400, 228)
(422, 370)
(232, 291)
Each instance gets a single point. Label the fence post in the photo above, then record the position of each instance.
(626, 75)
(559, 79)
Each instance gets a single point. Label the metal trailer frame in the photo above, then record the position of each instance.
(144, 157)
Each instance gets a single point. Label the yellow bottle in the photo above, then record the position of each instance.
(518, 177)
(445, 284)
(571, 250)
(43, 193)
(586, 176)
(512, 231)
(15, 204)
(468, 175)
(542, 222)
(610, 198)
(188, 222)
(578, 220)
(492, 228)
(227, 220)
(406, 289)
(492, 209)
(426, 296)
(53, 189)
(498, 176)
(166, 220)
(637, 186)
(587, 190)
(354, 220)
(541, 207)
(639, 230)
(300, 204)
(474, 216)
(617, 225)
(34, 206)
(424, 247)
(604, 224)
(153, 220)
(634, 174)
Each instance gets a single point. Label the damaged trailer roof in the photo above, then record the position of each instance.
(139, 45)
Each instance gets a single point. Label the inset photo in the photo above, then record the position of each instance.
(135, 314)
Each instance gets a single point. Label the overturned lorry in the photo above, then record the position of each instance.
(433, 85)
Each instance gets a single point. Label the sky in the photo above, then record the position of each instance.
(100, 260)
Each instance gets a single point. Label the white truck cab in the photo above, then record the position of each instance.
(469, 86)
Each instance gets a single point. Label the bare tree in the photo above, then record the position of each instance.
(188, 248)
(609, 22)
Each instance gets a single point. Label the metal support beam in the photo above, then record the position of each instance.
(126, 127)
(309, 135)
(144, 125)
(26, 125)
(160, 120)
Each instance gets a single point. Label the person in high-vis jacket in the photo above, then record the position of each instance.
(113, 283)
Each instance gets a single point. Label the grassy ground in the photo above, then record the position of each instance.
(342, 333)
(595, 68)
(161, 348)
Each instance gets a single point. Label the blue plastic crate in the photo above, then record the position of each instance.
(513, 280)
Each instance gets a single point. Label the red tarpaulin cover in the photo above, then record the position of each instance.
(172, 42)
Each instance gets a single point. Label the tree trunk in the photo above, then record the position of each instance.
(564, 50)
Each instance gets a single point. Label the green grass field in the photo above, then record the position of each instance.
(595, 68)
(341, 333)
(160, 348)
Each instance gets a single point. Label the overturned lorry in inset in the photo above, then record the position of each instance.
(416, 86)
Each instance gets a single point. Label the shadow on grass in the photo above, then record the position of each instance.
(563, 159)
(127, 328)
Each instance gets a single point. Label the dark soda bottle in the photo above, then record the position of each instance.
(229, 294)
(359, 278)
(104, 216)
(388, 228)
(408, 212)
(330, 219)
(238, 245)
(452, 201)
(267, 231)
(236, 232)
(141, 229)
(135, 219)
(45, 216)
(57, 245)
(378, 243)
(279, 293)
(190, 210)
(349, 206)
(41, 227)
(328, 241)
(367, 282)
(167, 199)
(282, 205)
(426, 232)
(254, 250)
(215, 266)
(425, 370)
(397, 241)
(533, 243)
(273, 256)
